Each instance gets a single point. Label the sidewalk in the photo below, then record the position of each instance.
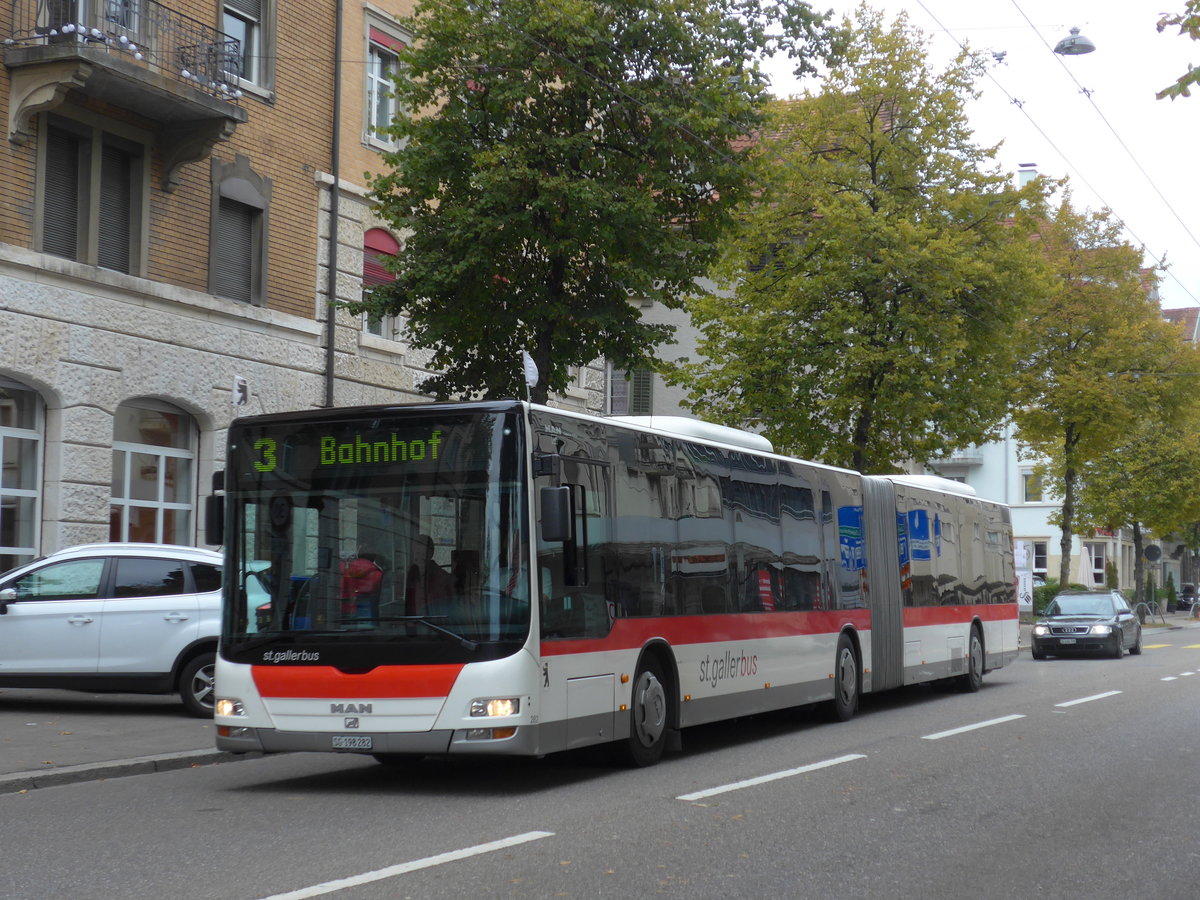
(57, 737)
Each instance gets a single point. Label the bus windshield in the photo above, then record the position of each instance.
(397, 533)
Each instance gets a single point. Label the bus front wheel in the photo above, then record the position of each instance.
(649, 711)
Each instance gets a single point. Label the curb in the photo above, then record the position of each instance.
(20, 782)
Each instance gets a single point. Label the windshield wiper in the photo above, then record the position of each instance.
(464, 642)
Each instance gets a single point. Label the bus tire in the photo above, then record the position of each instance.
(649, 716)
(196, 685)
(846, 682)
(972, 680)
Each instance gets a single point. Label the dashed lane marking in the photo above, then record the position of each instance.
(966, 728)
(329, 887)
(1087, 699)
(774, 776)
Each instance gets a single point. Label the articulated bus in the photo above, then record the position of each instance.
(507, 578)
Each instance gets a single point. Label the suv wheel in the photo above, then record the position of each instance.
(196, 685)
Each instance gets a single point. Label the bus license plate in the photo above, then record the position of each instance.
(1063, 641)
(352, 742)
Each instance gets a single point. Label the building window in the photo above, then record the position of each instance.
(1094, 559)
(154, 453)
(378, 244)
(1031, 488)
(1039, 558)
(383, 45)
(630, 393)
(250, 23)
(21, 427)
(237, 266)
(91, 196)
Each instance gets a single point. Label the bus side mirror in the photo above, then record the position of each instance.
(558, 519)
(214, 511)
(214, 520)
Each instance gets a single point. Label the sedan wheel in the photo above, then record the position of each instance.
(1118, 645)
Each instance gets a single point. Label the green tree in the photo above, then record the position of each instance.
(1188, 23)
(564, 156)
(1149, 483)
(1098, 356)
(865, 309)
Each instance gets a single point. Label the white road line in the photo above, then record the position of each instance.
(1088, 699)
(1185, 674)
(763, 779)
(379, 874)
(965, 728)
(1170, 678)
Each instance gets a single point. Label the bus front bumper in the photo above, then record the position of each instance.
(236, 739)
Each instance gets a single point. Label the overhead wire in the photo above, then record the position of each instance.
(1021, 106)
(1087, 93)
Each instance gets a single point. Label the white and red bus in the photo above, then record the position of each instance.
(506, 578)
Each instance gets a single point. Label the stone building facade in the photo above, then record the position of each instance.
(165, 249)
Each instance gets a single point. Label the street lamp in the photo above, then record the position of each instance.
(1074, 44)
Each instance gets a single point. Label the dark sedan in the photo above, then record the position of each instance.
(1087, 621)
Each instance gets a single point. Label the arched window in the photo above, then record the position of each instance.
(21, 427)
(377, 244)
(153, 481)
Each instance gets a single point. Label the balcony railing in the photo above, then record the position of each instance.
(142, 31)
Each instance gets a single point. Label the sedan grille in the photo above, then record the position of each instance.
(1070, 629)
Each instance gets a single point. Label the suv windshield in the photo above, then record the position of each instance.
(404, 528)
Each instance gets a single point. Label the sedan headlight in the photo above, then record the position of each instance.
(1102, 629)
(1041, 630)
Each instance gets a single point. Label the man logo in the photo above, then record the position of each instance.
(360, 708)
(351, 722)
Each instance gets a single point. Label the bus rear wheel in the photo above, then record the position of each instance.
(649, 716)
(844, 704)
(972, 680)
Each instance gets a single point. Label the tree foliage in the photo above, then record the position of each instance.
(1098, 356)
(564, 156)
(1188, 23)
(1149, 482)
(867, 303)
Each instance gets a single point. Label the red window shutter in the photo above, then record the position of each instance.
(383, 39)
(377, 243)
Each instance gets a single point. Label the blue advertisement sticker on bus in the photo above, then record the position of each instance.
(902, 537)
(918, 530)
(850, 538)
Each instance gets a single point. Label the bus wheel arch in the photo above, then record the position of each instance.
(972, 679)
(847, 678)
(653, 708)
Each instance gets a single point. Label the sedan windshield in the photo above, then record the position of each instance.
(1081, 605)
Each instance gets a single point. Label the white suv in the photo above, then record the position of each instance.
(136, 618)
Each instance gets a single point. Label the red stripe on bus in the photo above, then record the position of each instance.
(327, 682)
(628, 634)
(916, 616)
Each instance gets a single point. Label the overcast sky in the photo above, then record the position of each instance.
(1120, 147)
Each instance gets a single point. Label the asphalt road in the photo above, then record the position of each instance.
(1063, 778)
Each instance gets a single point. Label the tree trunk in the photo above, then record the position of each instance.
(1138, 580)
(1068, 517)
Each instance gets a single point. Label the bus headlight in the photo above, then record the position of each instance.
(229, 707)
(508, 706)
